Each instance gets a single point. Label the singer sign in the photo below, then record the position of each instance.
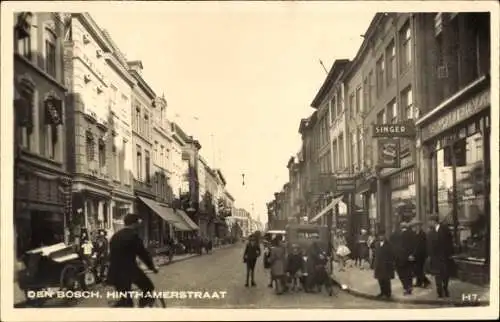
(388, 153)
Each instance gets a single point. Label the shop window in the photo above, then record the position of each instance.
(471, 197)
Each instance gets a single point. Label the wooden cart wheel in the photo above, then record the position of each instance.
(70, 279)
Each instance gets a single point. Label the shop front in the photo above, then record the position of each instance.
(456, 158)
(365, 201)
(41, 212)
(403, 197)
(160, 223)
(92, 211)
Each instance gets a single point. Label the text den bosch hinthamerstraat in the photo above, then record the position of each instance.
(115, 295)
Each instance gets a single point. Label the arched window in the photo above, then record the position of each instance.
(53, 117)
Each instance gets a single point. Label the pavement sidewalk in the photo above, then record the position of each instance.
(20, 299)
(360, 282)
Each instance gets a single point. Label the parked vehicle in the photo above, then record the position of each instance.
(54, 267)
(305, 234)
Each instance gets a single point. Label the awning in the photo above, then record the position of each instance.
(182, 226)
(326, 209)
(187, 220)
(164, 212)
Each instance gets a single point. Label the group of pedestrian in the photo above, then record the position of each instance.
(292, 270)
(94, 251)
(408, 251)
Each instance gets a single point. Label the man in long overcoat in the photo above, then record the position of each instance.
(403, 247)
(420, 253)
(440, 250)
(383, 266)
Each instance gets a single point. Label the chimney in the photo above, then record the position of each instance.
(135, 65)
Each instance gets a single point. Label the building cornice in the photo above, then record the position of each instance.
(92, 27)
(143, 85)
(115, 64)
(337, 67)
(372, 30)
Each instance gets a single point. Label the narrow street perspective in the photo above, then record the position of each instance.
(251, 155)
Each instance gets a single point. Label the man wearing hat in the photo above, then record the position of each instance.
(440, 250)
(404, 245)
(420, 254)
(383, 267)
(125, 246)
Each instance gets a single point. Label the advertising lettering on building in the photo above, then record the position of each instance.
(457, 115)
(388, 153)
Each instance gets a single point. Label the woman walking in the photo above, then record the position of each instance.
(342, 251)
(252, 252)
(277, 260)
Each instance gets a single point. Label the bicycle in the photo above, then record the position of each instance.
(157, 302)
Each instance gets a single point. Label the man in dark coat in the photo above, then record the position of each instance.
(125, 246)
(252, 252)
(440, 250)
(404, 247)
(420, 253)
(384, 265)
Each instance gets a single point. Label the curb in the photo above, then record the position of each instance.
(360, 294)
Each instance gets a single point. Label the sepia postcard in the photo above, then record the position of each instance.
(249, 160)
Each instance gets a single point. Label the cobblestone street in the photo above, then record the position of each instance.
(223, 270)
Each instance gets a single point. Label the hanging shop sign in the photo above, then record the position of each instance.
(388, 153)
(345, 184)
(458, 114)
(394, 130)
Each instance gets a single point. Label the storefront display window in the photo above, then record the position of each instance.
(403, 197)
(460, 163)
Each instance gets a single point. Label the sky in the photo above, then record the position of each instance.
(239, 77)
